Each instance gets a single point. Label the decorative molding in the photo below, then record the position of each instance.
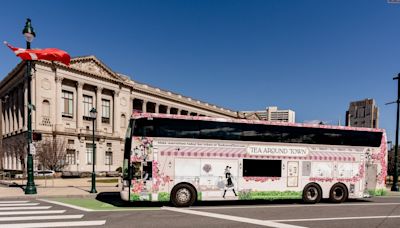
(79, 84)
(123, 101)
(59, 79)
(46, 84)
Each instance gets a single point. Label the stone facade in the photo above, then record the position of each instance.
(364, 113)
(272, 114)
(63, 97)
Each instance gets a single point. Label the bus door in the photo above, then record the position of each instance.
(141, 173)
(292, 173)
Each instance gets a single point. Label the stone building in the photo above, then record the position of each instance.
(273, 114)
(364, 113)
(64, 95)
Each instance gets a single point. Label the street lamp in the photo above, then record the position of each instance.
(93, 114)
(29, 34)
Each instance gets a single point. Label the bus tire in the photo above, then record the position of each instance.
(183, 195)
(338, 193)
(312, 193)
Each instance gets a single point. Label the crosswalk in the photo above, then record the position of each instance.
(26, 214)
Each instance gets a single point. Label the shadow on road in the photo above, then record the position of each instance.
(113, 198)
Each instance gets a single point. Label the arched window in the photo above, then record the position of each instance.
(46, 108)
(123, 121)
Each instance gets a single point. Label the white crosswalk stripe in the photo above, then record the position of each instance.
(26, 214)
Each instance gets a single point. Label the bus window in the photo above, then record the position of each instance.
(262, 168)
(136, 170)
(147, 170)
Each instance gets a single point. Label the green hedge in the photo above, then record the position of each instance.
(269, 195)
(163, 197)
(377, 192)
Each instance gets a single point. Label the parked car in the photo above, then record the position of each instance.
(46, 173)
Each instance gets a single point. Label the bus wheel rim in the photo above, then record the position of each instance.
(183, 195)
(338, 193)
(312, 193)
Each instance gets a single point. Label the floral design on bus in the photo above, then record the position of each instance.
(261, 179)
(159, 179)
(381, 159)
(142, 148)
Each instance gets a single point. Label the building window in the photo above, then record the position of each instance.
(109, 158)
(71, 141)
(89, 153)
(123, 121)
(46, 108)
(87, 106)
(71, 158)
(105, 110)
(68, 100)
(109, 144)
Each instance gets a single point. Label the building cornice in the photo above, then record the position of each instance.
(124, 81)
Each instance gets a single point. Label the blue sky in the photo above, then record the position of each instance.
(311, 56)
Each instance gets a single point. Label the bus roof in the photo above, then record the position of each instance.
(138, 115)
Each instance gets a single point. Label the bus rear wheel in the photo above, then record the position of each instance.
(312, 193)
(183, 195)
(338, 193)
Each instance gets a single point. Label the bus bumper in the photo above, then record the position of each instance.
(124, 195)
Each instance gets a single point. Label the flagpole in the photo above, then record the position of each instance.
(30, 185)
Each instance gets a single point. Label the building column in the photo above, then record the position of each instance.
(59, 104)
(168, 110)
(144, 106)
(20, 107)
(157, 108)
(98, 108)
(15, 110)
(79, 106)
(2, 119)
(116, 114)
(9, 112)
(25, 128)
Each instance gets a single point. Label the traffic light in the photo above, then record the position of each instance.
(36, 136)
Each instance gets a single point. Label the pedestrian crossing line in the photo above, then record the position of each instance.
(43, 217)
(17, 204)
(14, 202)
(32, 212)
(54, 224)
(24, 208)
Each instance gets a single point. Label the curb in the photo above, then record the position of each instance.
(49, 197)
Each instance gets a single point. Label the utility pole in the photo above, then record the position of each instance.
(395, 186)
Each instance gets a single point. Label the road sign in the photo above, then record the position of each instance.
(32, 149)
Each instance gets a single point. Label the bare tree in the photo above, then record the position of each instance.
(51, 153)
(19, 146)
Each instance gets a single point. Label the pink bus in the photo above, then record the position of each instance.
(181, 159)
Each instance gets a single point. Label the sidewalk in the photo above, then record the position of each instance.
(58, 187)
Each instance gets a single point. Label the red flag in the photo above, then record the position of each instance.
(50, 54)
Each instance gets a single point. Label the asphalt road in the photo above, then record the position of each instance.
(376, 212)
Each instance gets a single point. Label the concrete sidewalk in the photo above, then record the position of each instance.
(56, 187)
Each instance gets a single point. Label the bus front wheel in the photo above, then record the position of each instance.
(183, 195)
(312, 193)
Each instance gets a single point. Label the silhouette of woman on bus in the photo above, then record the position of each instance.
(229, 184)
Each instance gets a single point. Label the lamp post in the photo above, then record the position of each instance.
(93, 114)
(29, 35)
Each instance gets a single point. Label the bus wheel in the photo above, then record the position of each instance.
(183, 195)
(312, 193)
(338, 193)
